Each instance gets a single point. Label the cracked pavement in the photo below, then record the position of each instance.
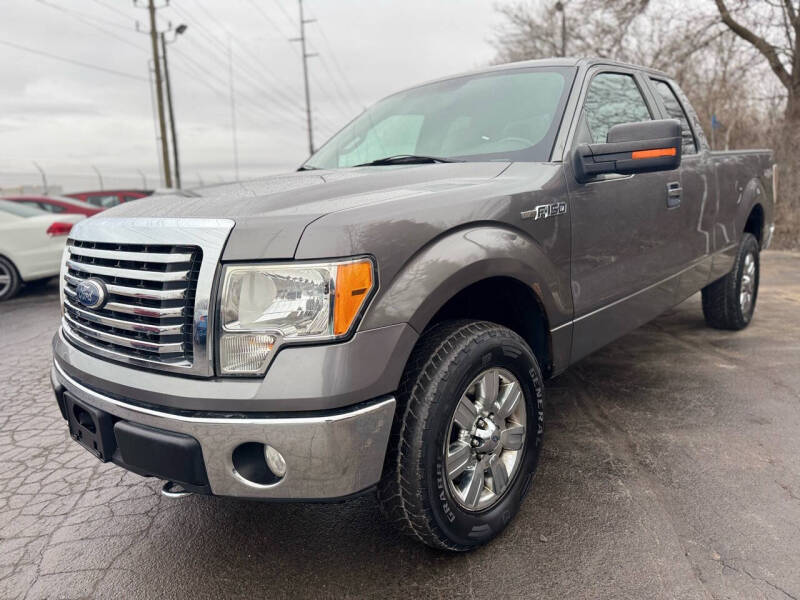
(670, 469)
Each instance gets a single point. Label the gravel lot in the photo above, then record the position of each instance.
(671, 469)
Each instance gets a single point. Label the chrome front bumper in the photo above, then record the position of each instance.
(327, 457)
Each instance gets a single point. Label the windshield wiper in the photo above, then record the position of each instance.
(405, 159)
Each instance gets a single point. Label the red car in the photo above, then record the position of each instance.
(57, 204)
(109, 198)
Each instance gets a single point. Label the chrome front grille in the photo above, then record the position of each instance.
(150, 308)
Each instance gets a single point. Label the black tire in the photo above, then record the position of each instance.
(722, 304)
(10, 283)
(413, 492)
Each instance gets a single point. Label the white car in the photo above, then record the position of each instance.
(31, 244)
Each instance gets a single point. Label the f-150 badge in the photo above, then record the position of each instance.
(544, 211)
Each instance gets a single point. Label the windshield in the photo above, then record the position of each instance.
(20, 210)
(504, 115)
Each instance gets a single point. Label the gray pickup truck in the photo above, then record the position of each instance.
(384, 318)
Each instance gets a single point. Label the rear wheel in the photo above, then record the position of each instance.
(729, 303)
(467, 435)
(9, 279)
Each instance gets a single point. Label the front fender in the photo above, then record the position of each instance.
(464, 256)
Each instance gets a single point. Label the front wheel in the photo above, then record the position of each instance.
(729, 303)
(467, 436)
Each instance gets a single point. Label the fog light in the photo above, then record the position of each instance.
(246, 353)
(275, 461)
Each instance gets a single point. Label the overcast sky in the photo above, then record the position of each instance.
(68, 117)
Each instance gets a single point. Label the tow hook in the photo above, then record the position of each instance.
(170, 489)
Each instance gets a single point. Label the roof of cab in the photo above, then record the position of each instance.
(575, 61)
(579, 61)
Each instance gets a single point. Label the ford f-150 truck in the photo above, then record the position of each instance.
(384, 319)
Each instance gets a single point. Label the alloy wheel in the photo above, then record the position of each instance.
(484, 446)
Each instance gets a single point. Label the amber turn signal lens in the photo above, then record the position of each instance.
(353, 284)
(653, 153)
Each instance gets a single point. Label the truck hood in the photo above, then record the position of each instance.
(271, 212)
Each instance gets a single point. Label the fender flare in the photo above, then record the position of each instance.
(752, 195)
(432, 276)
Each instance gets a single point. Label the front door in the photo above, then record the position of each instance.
(623, 226)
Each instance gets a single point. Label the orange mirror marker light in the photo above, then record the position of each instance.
(353, 284)
(653, 153)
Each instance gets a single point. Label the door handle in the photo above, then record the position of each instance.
(674, 191)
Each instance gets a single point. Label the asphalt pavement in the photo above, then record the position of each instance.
(670, 469)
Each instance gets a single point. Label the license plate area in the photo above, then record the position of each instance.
(91, 428)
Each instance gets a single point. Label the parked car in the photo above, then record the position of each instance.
(109, 198)
(31, 245)
(385, 319)
(57, 204)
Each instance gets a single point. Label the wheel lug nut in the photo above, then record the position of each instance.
(481, 423)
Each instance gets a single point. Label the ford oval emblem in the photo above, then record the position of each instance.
(91, 293)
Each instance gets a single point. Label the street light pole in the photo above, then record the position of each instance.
(233, 109)
(99, 176)
(44, 177)
(178, 31)
(560, 8)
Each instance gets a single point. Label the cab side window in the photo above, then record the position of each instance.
(675, 111)
(612, 99)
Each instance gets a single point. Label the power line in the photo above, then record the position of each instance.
(254, 78)
(112, 8)
(286, 108)
(267, 18)
(81, 16)
(200, 74)
(285, 13)
(344, 105)
(72, 61)
(87, 20)
(338, 65)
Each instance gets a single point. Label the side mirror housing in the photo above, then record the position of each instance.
(631, 148)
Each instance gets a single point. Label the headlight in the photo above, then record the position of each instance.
(264, 305)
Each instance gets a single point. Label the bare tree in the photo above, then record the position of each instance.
(547, 28)
(721, 52)
(773, 28)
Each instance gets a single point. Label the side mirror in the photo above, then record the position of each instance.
(631, 148)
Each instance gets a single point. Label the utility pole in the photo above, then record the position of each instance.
(44, 177)
(178, 31)
(233, 109)
(560, 8)
(306, 56)
(151, 86)
(162, 122)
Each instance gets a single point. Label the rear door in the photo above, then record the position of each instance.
(624, 230)
(697, 196)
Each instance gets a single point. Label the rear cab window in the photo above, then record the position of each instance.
(675, 110)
